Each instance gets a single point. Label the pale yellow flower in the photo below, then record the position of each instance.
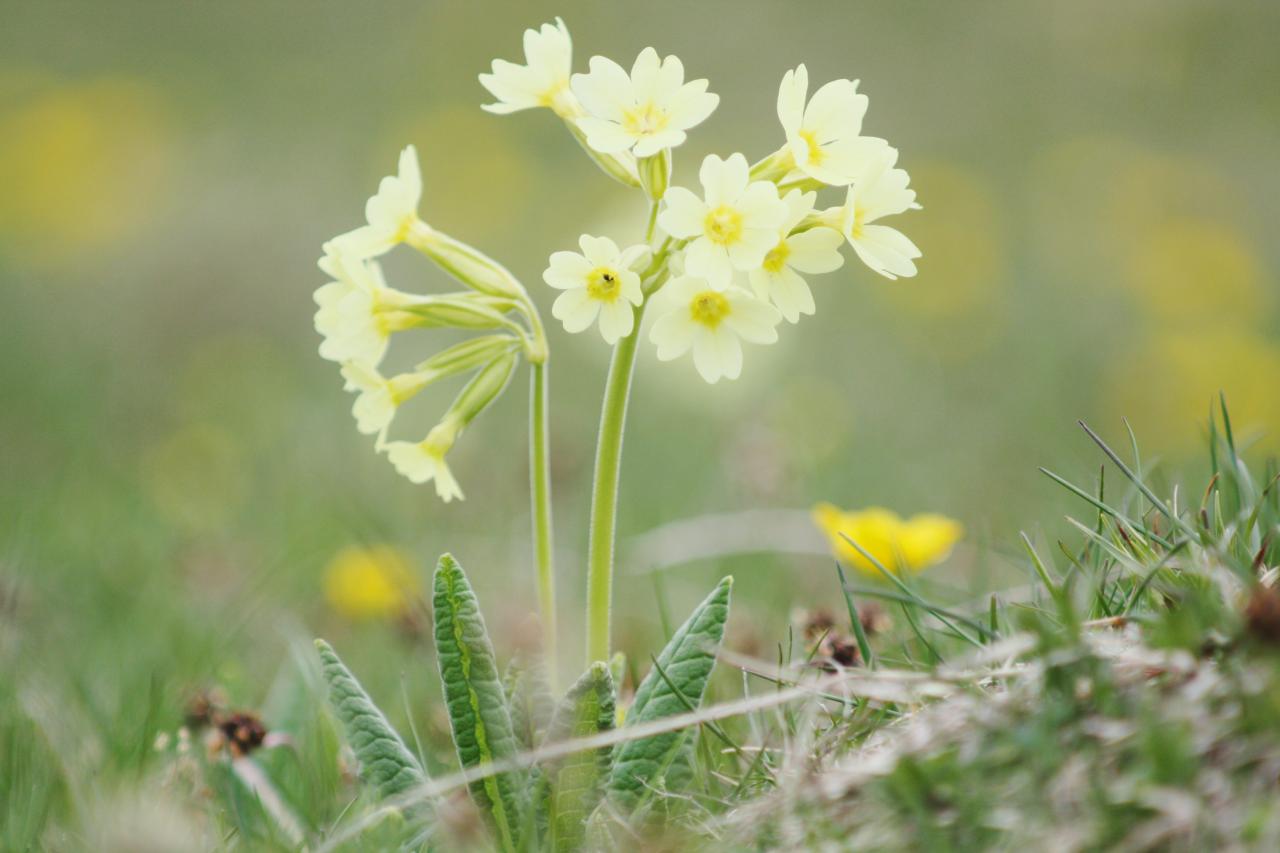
(375, 582)
(912, 544)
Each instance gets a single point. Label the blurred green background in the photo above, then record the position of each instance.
(1100, 188)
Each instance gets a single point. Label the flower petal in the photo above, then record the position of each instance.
(617, 319)
(791, 95)
(682, 213)
(753, 319)
(605, 136)
(575, 309)
(706, 260)
(835, 111)
(605, 91)
(886, 251)
(599, 251)
(673, 333)
(815, 251)
(723, 181)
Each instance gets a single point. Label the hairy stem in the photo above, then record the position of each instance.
(604, 495)
(540, 491)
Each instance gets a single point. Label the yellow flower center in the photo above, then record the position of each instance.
(604, 284)
(556, 97)
(777, 257)
(723, 225)
(709, 308)
(816, 154)
(406, 226)
(646, 119)
(859, 214)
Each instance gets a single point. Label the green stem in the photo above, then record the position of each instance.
(604, 495)
(540, 490)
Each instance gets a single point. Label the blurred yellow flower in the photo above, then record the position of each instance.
(1166, 386)
(913, 544)
(963, 230)
(374, 582)
(1193, 271)
(82, 165)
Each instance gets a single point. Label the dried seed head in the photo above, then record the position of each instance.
(203, 707)
(1262, 615)
(242, 731)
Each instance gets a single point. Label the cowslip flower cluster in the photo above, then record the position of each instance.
(730, 262)
(724, 264)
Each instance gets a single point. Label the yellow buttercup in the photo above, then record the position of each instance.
(375, 582)
(896, 543)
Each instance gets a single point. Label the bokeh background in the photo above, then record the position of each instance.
(178, 468)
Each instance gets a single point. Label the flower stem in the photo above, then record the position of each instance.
(604, 495)
(540, 491)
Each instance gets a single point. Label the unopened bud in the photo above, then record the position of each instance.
(483, 389)
(655, 173)
(467, 355)
(467, 264)
(460, 311)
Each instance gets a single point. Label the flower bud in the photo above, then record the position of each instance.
(467, 355)
(459, 311)
(655, 173)
(467, 264)
(482, 390)
(620, 167)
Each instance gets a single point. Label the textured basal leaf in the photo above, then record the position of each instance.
(687, 661)
(575, 783)
(529, 699)
(385, 762)
(477, 704)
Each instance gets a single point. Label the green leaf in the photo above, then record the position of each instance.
(529, 699)
(687, 661)
(576, 782)
(385, 762)
(477, 705)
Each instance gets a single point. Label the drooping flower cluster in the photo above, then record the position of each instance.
(731, 261)
(358, 313)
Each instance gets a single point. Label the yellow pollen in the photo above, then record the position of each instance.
(723, 225)
(816, 154)
(646, 119)
(709, 308)
(777, 257)
(604, 284)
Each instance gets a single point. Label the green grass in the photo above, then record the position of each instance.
(1124, 695)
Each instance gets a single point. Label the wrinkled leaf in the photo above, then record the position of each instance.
(575, 783)
(688, 659)
(385, 762)
(529, 699)
(476, 702)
